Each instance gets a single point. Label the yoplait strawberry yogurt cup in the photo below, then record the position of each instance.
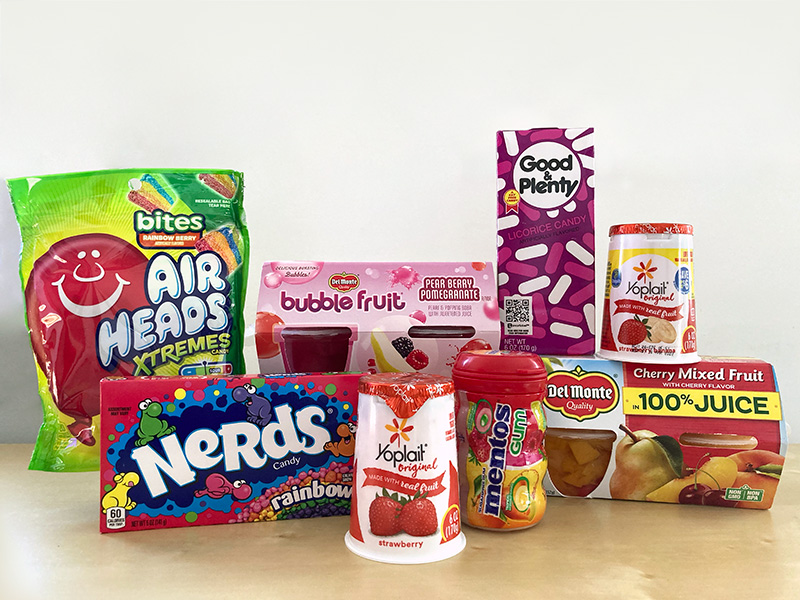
(405, 504)
(501, 425)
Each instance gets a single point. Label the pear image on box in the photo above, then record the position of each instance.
(644, 462)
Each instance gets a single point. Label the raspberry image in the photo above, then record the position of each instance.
(403, 345)
(417, 359)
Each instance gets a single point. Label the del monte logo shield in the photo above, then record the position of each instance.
(580, 394)
(343, 282)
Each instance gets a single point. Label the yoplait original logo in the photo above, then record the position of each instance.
(580, 394)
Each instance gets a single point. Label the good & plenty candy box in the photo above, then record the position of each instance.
(180, 451)
(376, 317)
(545, 238)
(708, 433)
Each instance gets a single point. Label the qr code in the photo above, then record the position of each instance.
(518, 315)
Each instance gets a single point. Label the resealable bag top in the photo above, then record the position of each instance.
(131, 272)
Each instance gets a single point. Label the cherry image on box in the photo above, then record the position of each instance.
(181, 451)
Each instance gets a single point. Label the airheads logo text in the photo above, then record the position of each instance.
(444, 289)
(547, 175)
(343, 282)
(188, 312)
(580, 394)
(165, 230)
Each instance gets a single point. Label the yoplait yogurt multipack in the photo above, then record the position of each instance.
(376, 317)
(708, 433)
(545, 239)
(181, 451)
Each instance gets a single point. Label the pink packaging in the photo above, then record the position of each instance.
(545, 227)
(374, 317)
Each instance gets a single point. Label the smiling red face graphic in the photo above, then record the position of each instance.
(73, 286)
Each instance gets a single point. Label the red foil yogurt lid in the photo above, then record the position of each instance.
(405, 393)
(651, 228)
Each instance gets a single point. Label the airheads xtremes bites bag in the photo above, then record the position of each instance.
(131, 272)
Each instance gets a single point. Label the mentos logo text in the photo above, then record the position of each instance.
(580, 394)
(236, 445)
(188, 313)
(497, 459)
(362, 302)
(443, 289)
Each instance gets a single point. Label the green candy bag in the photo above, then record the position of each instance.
(133, 272)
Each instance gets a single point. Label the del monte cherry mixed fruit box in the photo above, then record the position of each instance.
(708, 433)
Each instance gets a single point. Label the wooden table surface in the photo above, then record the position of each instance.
(582, 549)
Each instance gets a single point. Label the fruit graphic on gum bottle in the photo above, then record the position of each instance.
(633, 331)
(644, 462)
(524, 500)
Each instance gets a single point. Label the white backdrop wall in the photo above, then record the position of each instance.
(366, 131)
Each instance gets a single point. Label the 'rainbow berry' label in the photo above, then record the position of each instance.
(126, 273)
(200, 451)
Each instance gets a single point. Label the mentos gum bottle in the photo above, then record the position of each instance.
(405, 507)
(501, 425)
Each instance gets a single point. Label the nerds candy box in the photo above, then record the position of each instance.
(180, 451)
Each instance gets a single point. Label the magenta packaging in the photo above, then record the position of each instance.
(545, 226)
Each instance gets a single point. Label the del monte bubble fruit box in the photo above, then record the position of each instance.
(184, 451)
(377, 317)
(134, 272)
(545, 237)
